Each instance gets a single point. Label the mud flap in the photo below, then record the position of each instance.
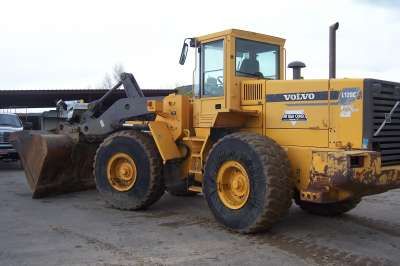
(54, 163)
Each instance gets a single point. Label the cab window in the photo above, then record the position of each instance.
(257, 59)
(213, 69)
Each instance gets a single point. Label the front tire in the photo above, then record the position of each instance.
(246, 182)
(127, 170)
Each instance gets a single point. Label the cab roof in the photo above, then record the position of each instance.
(243, 34)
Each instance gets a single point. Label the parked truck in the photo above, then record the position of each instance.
(8, 123)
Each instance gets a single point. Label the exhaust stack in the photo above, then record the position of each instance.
(332, 50)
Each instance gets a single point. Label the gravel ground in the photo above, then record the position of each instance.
(79, 229)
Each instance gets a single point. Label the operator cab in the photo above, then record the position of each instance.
(224, 59)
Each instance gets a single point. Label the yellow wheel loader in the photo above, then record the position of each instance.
(249, 140)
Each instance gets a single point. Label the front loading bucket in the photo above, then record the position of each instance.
(54, 163)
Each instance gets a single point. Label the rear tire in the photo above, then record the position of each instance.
(327, 209)
(266, 168)
(148, 185)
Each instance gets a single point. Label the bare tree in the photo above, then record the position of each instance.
(110, 80)
(118, 69)
(107, 82)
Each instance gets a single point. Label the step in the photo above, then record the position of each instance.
(197, 155)
(194, 139)
(195, 172)
(195, 189)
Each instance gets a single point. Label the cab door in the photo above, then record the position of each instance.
(209, 82)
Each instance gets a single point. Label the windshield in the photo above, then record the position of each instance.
(10, 120)
(257, 59)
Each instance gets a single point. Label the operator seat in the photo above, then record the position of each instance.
(212, 87)
(251, 66)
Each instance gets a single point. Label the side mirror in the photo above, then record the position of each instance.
(184, 52)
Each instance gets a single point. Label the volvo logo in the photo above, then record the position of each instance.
(299, 96)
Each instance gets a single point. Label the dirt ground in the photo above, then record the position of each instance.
(79, 229)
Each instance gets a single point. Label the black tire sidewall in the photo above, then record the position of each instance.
(137, 152)
(236, 150)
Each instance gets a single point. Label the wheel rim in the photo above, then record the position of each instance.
(121, 172)
(233, 185)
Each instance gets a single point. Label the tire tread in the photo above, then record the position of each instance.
(156, 187)
(278, 198)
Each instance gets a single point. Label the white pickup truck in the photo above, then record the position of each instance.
(8, 123)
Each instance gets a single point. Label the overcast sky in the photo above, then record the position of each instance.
(72, 44)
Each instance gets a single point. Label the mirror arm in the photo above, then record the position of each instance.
(193, 43)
